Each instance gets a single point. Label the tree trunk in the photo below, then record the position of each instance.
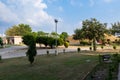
(94, 44)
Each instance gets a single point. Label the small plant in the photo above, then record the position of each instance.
(66, 44)
(102, 47)
(90, 48)
(114, 47)
(78, 49)
(47, 52)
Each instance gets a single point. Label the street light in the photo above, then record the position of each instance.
(56, 21)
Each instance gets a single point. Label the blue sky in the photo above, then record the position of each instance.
(40, 14)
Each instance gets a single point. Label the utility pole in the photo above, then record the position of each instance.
(56, 21)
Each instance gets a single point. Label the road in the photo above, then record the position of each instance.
(19, 51)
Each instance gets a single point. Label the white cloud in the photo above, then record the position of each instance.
(6, 14)
(26, 11)
(51, 1)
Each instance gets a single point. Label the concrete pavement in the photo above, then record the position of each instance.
(19, 51)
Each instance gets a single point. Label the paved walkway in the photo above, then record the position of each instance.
(19, 51)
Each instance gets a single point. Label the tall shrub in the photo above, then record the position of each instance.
(30, 41)
(66, 44)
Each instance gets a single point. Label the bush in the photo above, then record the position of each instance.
(78, 49)
(30, 41)
(114, 47)
(47, 52)
(102, 47)
(1, 42)
(90, 48)
(66, 44)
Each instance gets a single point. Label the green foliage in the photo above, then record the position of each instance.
(102, 47)
(51, 41)
(48, 41)
(60, 42)
(64, 35)
(18, 30)
(1, 42)
(66, 44)
(114, 47)
(41, 33)
(92, 30)
(30, 41)
(78, 34)
(115, 28)
(115, 60)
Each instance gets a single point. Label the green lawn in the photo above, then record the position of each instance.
(70, 66)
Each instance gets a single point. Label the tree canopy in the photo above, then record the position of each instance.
(92, 30)
(18, 30)
(64, 35)
(115, 28)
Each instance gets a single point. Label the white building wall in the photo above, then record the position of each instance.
(17, 40)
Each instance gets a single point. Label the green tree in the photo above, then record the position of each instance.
(92, 30)
(60, 42)
(41, 33)
(115, 28)
(78, 34)
(30, 41)
(64, 35)
(18, 30)
(51, 41)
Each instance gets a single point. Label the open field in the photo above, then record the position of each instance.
(70, 66)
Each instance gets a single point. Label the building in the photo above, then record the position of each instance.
(16, 40)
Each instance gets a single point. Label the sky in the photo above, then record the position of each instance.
(40, 14)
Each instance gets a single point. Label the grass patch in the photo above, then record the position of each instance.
(70, 66)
